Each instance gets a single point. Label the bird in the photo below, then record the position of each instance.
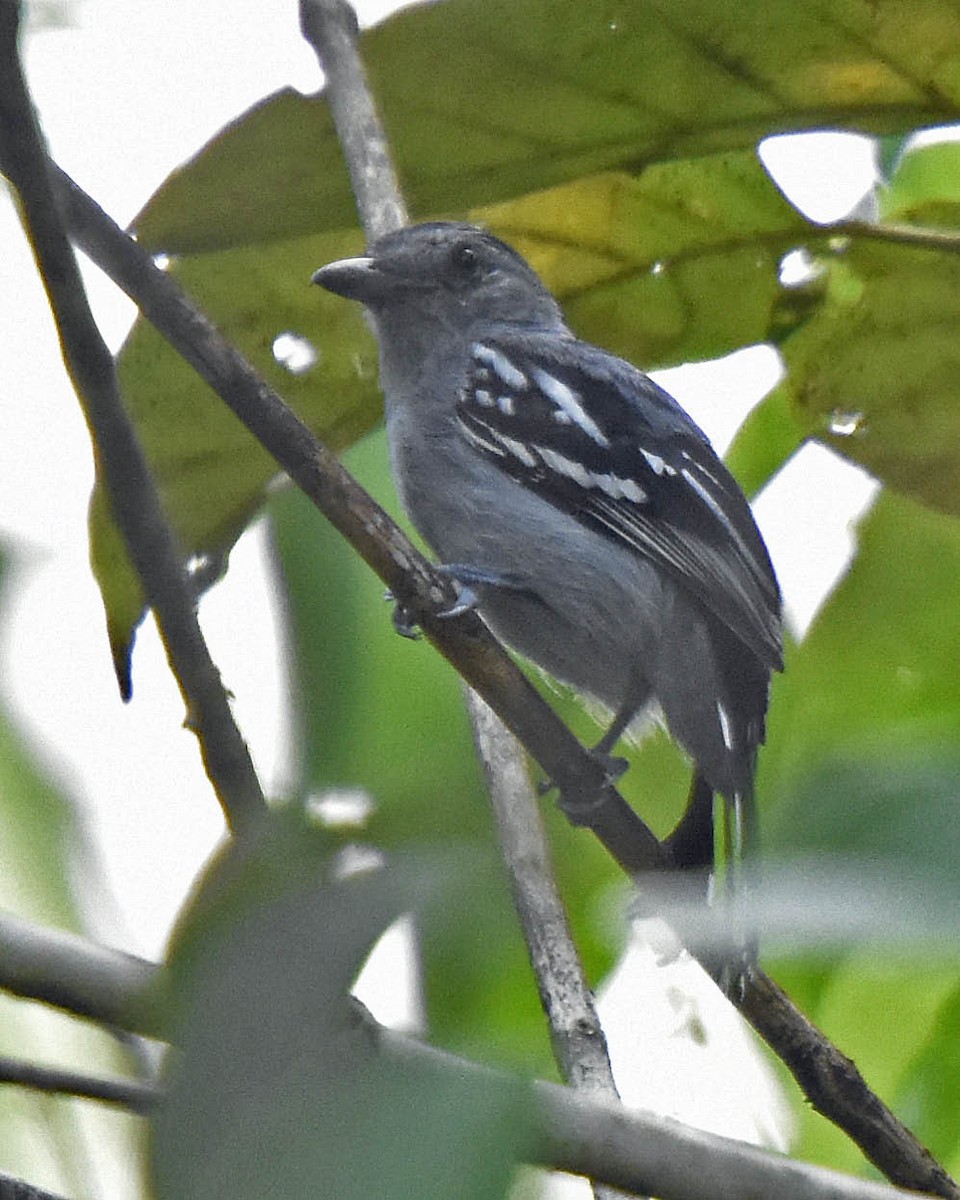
(578, 506)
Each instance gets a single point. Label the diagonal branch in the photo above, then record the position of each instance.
(133, 1094)
(133, 495)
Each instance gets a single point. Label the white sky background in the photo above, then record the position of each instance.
(125, 95)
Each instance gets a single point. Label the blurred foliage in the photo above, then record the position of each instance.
(46, 865)
(279, 1089)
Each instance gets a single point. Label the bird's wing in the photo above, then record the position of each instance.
(601, 441)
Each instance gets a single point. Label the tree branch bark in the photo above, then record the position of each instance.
(579, 1044)
(135, 1095)
(133, 496)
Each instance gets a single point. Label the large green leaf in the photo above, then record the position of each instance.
(860, 780)
(929, 1091)
(487, 99)
(924, 188)
(876, 674)
(278, 1087)
(662, 233)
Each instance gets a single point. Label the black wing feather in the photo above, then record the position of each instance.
(601, 440)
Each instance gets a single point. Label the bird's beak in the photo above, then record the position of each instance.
(354, 278)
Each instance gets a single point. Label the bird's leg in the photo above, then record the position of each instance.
(467, 578)
(636, 696)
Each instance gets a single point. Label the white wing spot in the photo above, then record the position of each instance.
(506, 405)
(568, 401)
(611, 485)
(630, 490)
(568, 467)
(701, 468)
(483, 398)
(505, 370)
(482, 442)
(519, 450)
(658, 464)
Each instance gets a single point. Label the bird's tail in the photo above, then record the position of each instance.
(729, 871)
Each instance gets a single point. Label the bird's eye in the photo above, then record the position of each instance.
(465, 259)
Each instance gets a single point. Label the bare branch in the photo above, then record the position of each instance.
(330, 26)
(135, 503)
(579, 1044)
(73, 973)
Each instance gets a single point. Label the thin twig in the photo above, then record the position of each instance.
(330, 26)
(133, 496)
(579, 1044)
(636, 1152)
(919, 237)
(133, 1094)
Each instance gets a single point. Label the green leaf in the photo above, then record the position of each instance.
(925, 188)
(211, 472)
(881, 1012)
(485, 100)
(646, 264)
(875, 374)
(278, 1087)
(764, 442)
(929, 1091)
(876, 673)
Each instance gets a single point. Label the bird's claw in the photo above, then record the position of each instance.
(407, 625)
(404, 621)
(614, 768)
(466, 601)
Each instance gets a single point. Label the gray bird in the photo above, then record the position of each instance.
(588, 515)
